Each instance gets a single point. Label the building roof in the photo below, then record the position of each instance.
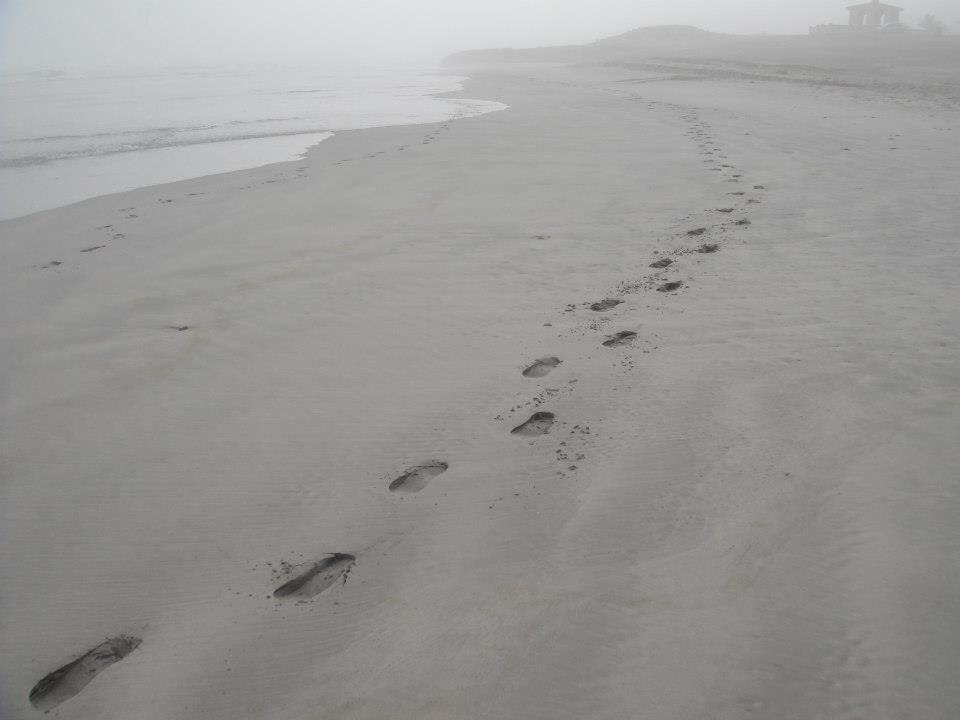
(871, 4)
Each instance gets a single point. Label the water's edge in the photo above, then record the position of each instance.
(30, 190)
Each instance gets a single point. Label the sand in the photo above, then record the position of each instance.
(745, 506)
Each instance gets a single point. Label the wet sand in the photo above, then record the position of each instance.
(363, 436)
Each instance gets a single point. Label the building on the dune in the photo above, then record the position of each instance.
(874, 14)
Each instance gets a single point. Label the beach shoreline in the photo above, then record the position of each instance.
(634, 399)
(277, 117)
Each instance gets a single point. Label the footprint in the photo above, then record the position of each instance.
(92, 248)
(725, 210)
(52, 264)
(621, 338)
(664, 262)
(317, 577)
(738, 192)
(708, 248)
(742, 221)
(541, 367)
(605, 304)
(416, 478)
(759, 187)
(65, 682)
(538, 424)
(696, 231)
(670, 286)
(179, 328)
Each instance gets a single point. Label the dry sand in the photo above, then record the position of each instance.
(748, 509)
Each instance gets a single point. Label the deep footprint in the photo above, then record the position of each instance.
(696, 231)
(416, 478)
(65, 682)
(621, 338)
(318, 577)
(538, 424)
(665, 262)
(725, 210)
(670, 286)
(92, 248)
(541, 367)
(605, 304)
(708, 248)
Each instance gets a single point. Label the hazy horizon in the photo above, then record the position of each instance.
(98, 33)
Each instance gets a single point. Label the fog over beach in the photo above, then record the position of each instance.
(625, 386)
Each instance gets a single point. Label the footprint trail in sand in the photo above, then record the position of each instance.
(538, 424)
(317, 577)
(65, 682)
(416, 478)
(541, 367)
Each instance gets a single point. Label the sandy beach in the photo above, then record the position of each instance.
(282, 436)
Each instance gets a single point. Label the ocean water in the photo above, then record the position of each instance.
(66, 136)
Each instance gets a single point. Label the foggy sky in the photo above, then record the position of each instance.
(77, 34)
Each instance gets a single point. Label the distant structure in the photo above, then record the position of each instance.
(873, 14)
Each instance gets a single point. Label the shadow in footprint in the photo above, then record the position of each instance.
(621, 338)
(605, 304)
(538, 424)
(92, 248)
(52, 264)
(65, 682)
(696, 231)
(708, 248)
(179, 328)
(725, 210)
(742, 221)
(670, 286)
(659, 264)
(317, 577)
(416, 478)
(541, 367)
